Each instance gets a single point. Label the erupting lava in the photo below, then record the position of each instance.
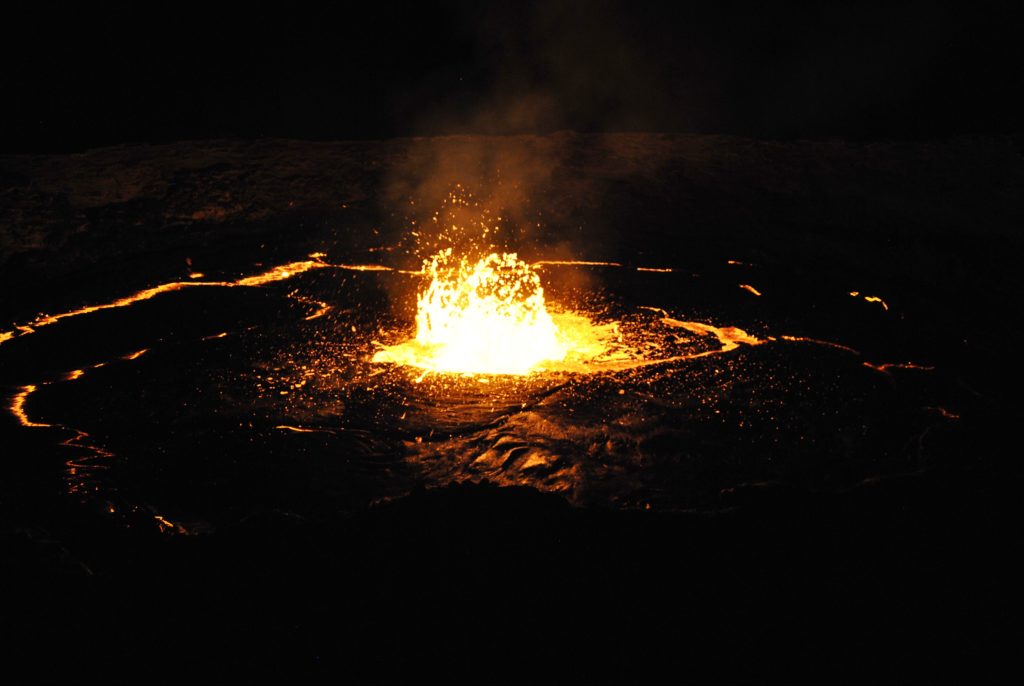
(490, 317)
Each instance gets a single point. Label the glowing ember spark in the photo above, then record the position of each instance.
(750, 289)
(490, 317)
(167, 525)
(944, 412)
(324, 309)
(871, 299)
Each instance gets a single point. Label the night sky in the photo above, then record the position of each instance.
(109, 74)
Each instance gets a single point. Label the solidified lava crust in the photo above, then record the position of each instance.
(272, 272)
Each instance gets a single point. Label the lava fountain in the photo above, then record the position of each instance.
(490, 317)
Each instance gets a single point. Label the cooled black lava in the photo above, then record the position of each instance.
(198, 405)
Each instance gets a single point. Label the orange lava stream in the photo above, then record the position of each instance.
(884, 368)
(575, 263)
(280, 273)
(77, 468)
(816, 341)
(17, 407)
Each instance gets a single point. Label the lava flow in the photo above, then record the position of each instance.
(587, 392)
(490, 317)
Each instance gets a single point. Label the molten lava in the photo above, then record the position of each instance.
(490, 317)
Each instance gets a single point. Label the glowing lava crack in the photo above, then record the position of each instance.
(490, 317)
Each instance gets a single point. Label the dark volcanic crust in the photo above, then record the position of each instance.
(917, 568)
(885, 199)
(938, 222)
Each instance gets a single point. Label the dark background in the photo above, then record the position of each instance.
(122, 73)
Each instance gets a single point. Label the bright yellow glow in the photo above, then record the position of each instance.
(490, 317)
